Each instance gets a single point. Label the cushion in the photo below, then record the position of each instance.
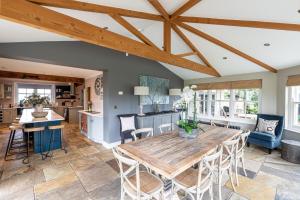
(262, 136)
(267, 126)
(127, 123)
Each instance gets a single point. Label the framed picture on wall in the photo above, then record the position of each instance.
(158, 90)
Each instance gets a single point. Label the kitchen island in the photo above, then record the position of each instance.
(52, 119)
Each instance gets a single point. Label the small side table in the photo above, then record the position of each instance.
(291, 151)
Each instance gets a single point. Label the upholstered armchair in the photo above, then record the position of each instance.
(267, 140)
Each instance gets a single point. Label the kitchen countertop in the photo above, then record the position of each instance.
(70, 107)
(93, 114)
(27, 118)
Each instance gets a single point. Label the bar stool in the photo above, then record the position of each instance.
(12, 141)
(35, 129)
(53, 129)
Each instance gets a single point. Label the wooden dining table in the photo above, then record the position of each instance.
(169, 154)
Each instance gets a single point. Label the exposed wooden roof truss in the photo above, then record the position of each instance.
(32, 13)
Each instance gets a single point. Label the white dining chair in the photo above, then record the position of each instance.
(219, 123)
(135, 183)
(240, 154)
(227, 161)
(163, 128)
(195, 182)
(147, 131)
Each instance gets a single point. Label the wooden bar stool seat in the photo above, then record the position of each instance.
(13, 143)
(53, 129)
(40, 130)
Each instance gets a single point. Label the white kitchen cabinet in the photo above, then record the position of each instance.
(91, 126)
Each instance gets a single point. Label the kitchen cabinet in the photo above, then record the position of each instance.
(74, 114)
(7, 116)
(154, 121)
(91, 125)
(1, 90)
(59, 110)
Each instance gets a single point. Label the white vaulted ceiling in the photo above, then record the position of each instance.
(283, 52)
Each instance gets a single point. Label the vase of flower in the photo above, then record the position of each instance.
(188, 129)
(38, 108)
(38, 104)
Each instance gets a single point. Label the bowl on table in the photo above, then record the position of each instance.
(39, 114)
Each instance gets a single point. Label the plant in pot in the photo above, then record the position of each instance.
(187, 128)
(38, 104)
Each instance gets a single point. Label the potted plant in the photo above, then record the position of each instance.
(187, 128)
(38, 104)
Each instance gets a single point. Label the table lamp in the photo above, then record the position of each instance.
(141, 91)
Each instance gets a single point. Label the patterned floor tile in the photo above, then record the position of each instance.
(96, 175)
(56, 171)
(45, 187)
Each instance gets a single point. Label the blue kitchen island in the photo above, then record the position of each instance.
(52, 119)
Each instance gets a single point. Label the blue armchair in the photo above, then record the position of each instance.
(264, 139)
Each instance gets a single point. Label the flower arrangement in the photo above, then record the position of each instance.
(35, 99)
(189, 128)
(187, 125)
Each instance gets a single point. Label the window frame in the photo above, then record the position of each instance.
(290, 111)
(35, 88)
(231, 102)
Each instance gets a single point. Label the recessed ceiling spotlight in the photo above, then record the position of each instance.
(267, 44)
(225, 58)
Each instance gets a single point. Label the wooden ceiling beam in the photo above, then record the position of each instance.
(167, 36)
(186, 54)
(192, 46)
(36, 16)
(225, 46)
(132, 29)
(184, 8)
(40, 77)
(241, 23)
(90, 7)
(160, 9)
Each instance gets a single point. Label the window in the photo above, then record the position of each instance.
(293, 99)
(25, 90)
(246, 103)
(233, 103)
(44, 93)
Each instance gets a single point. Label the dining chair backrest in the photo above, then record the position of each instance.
(147, 131)
(229, 151)
(243, 140)
(208, 165)
(125, 173)
(163, 128)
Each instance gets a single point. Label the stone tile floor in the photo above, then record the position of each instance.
(88, 172)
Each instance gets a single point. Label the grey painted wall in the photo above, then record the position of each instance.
(120, 73)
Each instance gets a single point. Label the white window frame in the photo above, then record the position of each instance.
(17, 100)
(231, 101)
(290, 121)
(244, 101)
